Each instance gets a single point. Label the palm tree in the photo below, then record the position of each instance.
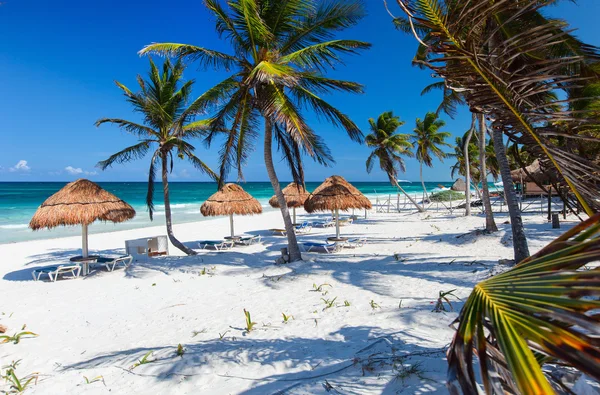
(429, 140)
(490, 223)
(389, 148)
(280, 52)
(166, 128)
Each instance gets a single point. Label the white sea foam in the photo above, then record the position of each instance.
(14, 226)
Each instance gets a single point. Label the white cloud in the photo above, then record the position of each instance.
(184, 173)
(75, 171)
(20, 166)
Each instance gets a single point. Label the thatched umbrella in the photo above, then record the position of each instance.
(81, 202)
(295, 195)
(335, 194)
(230, 200)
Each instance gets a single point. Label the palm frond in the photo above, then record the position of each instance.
(128, 154)
(205, 57)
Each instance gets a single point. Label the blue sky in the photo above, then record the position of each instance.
(59, 60)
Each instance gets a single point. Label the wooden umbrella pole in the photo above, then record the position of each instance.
(231, 224)
(294, 211)
(337, 223)
(84, 240)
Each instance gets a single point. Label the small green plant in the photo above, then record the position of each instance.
(144, 360)
(443, 297)
(16, 338)
(404, 372)
(222, 335)
(320, 287)
(328, 303)
(346, 303)
(203, 272)
(196, 333)
(17, 385)
(154, 284)
(180, 350)
(374, 305)
(286, 318)
(249, 323)
(94, 380)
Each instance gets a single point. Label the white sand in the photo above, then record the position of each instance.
(101, 325)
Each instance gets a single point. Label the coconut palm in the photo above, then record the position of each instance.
(484, 157)
(428, 141)
(167, 126)
(389, 148)
(280, 51)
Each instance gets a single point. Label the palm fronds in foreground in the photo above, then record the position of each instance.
(544, 310)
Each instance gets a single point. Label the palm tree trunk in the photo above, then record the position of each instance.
(490, 224)
(293, 248)
(519, 239)
(395, 182)
(468, 171)
(165, 183)
(422, 182)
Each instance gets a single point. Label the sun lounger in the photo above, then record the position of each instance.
(328, 247)
(356, 242)
(249, 240)
(217, 245)
(325, 224)
(54, 271)
(277, 231)
(305, 227)
(346, 221)
(112, 262)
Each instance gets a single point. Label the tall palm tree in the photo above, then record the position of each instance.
(280, 51)
(168, 124)
(389, 148)
(490, 223)
(428, 141)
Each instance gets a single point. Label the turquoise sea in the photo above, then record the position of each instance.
(20, 200)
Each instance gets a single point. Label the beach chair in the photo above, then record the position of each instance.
(305, 227)
(278, 232)
(346, 221)
(110, 263)
(249, 240)
(54, 271)
(325, 224)
(217, 245)
(356, 242)
(327, 247)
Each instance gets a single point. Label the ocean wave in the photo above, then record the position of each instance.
(14, 226)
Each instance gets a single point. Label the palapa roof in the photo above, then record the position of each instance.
(295, 196)
(231, 199)
(80, 202)
(336, 193)
(537, 174)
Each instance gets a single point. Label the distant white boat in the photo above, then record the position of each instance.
(410, 182)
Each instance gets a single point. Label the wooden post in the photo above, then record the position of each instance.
(337, 223)
(550, 203)
(555, 221)
(231, 224)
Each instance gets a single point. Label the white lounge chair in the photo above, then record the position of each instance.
(111, 263)
(249, 240)
(346, 221)
(217, 245)
(356, 242)
(325, 224)
(328, 247)
(305, 227)
(54, 271)
(278, 231)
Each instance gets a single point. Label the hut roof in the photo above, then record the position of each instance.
(80, 202)
(231, 199)
(295, 196)
(459, 185)
(336, 193)
(537, 174)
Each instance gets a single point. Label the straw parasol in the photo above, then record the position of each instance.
(230, 200)
(295, 195)
(80, 202)
(335, 194)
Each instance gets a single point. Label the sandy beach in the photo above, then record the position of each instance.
(101, 326)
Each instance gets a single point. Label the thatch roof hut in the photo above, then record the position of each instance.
(335, 194)
(81, 202)
(229, 200)
(295, 195)
(536, 174)
(459, 185)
